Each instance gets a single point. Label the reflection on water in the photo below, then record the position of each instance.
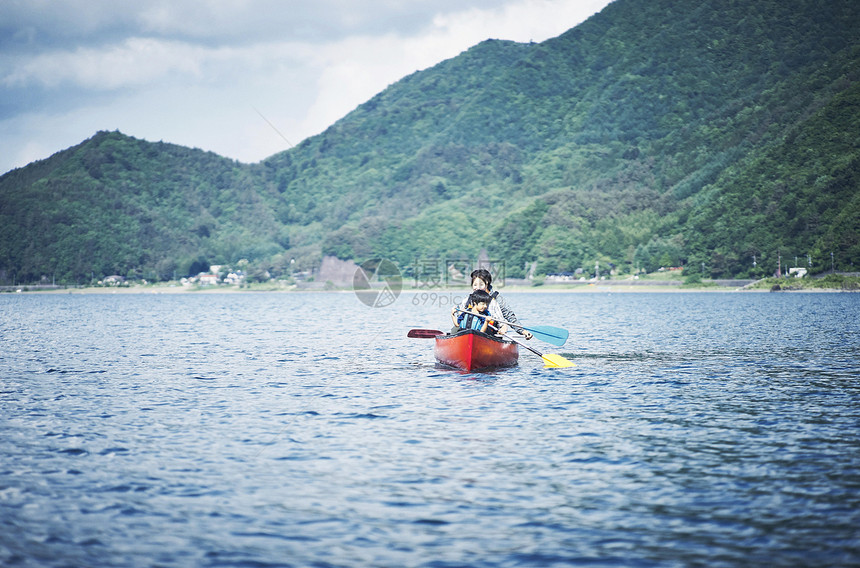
(306, 429)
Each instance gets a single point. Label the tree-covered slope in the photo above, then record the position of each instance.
(617, 122)
(117, 205)
(800, 197)
(657, 132)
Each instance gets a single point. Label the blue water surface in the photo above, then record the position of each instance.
(306, 429)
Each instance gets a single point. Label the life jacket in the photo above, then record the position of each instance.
(471, 321)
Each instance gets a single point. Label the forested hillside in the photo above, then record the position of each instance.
(659, 132)
(117, 205)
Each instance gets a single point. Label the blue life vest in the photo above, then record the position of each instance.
(471, 321)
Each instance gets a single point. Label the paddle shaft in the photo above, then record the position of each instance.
(529, 347)
(551, 359)
(555, 335)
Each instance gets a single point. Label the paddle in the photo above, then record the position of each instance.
(551, 359)
(553, 335)
(424, 333)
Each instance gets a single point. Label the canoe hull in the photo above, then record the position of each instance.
(473, 351)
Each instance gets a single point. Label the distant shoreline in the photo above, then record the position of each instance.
(590, 288)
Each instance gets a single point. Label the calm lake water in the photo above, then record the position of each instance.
(267, 429)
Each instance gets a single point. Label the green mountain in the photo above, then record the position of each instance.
(658, 132)
(117, 205)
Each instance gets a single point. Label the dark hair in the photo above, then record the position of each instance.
(479, 296)
(484, 275)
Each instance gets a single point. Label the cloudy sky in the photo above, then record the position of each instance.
(242, 78)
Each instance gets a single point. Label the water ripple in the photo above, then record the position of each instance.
(696, 429)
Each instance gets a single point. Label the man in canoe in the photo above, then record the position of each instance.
(499, 309)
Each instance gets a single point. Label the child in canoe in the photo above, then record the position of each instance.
(477, 305)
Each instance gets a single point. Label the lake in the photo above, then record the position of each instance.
(306, 429)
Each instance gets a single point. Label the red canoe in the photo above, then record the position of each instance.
(471, 350)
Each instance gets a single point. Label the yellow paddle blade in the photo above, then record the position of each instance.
(553, 360)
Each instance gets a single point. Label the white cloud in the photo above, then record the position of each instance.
(201, 81)
(355, 69)
(136, 61)
(527, 20)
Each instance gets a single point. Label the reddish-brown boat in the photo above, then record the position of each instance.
(472, 350)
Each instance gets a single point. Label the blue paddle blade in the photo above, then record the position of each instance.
(552, 335)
